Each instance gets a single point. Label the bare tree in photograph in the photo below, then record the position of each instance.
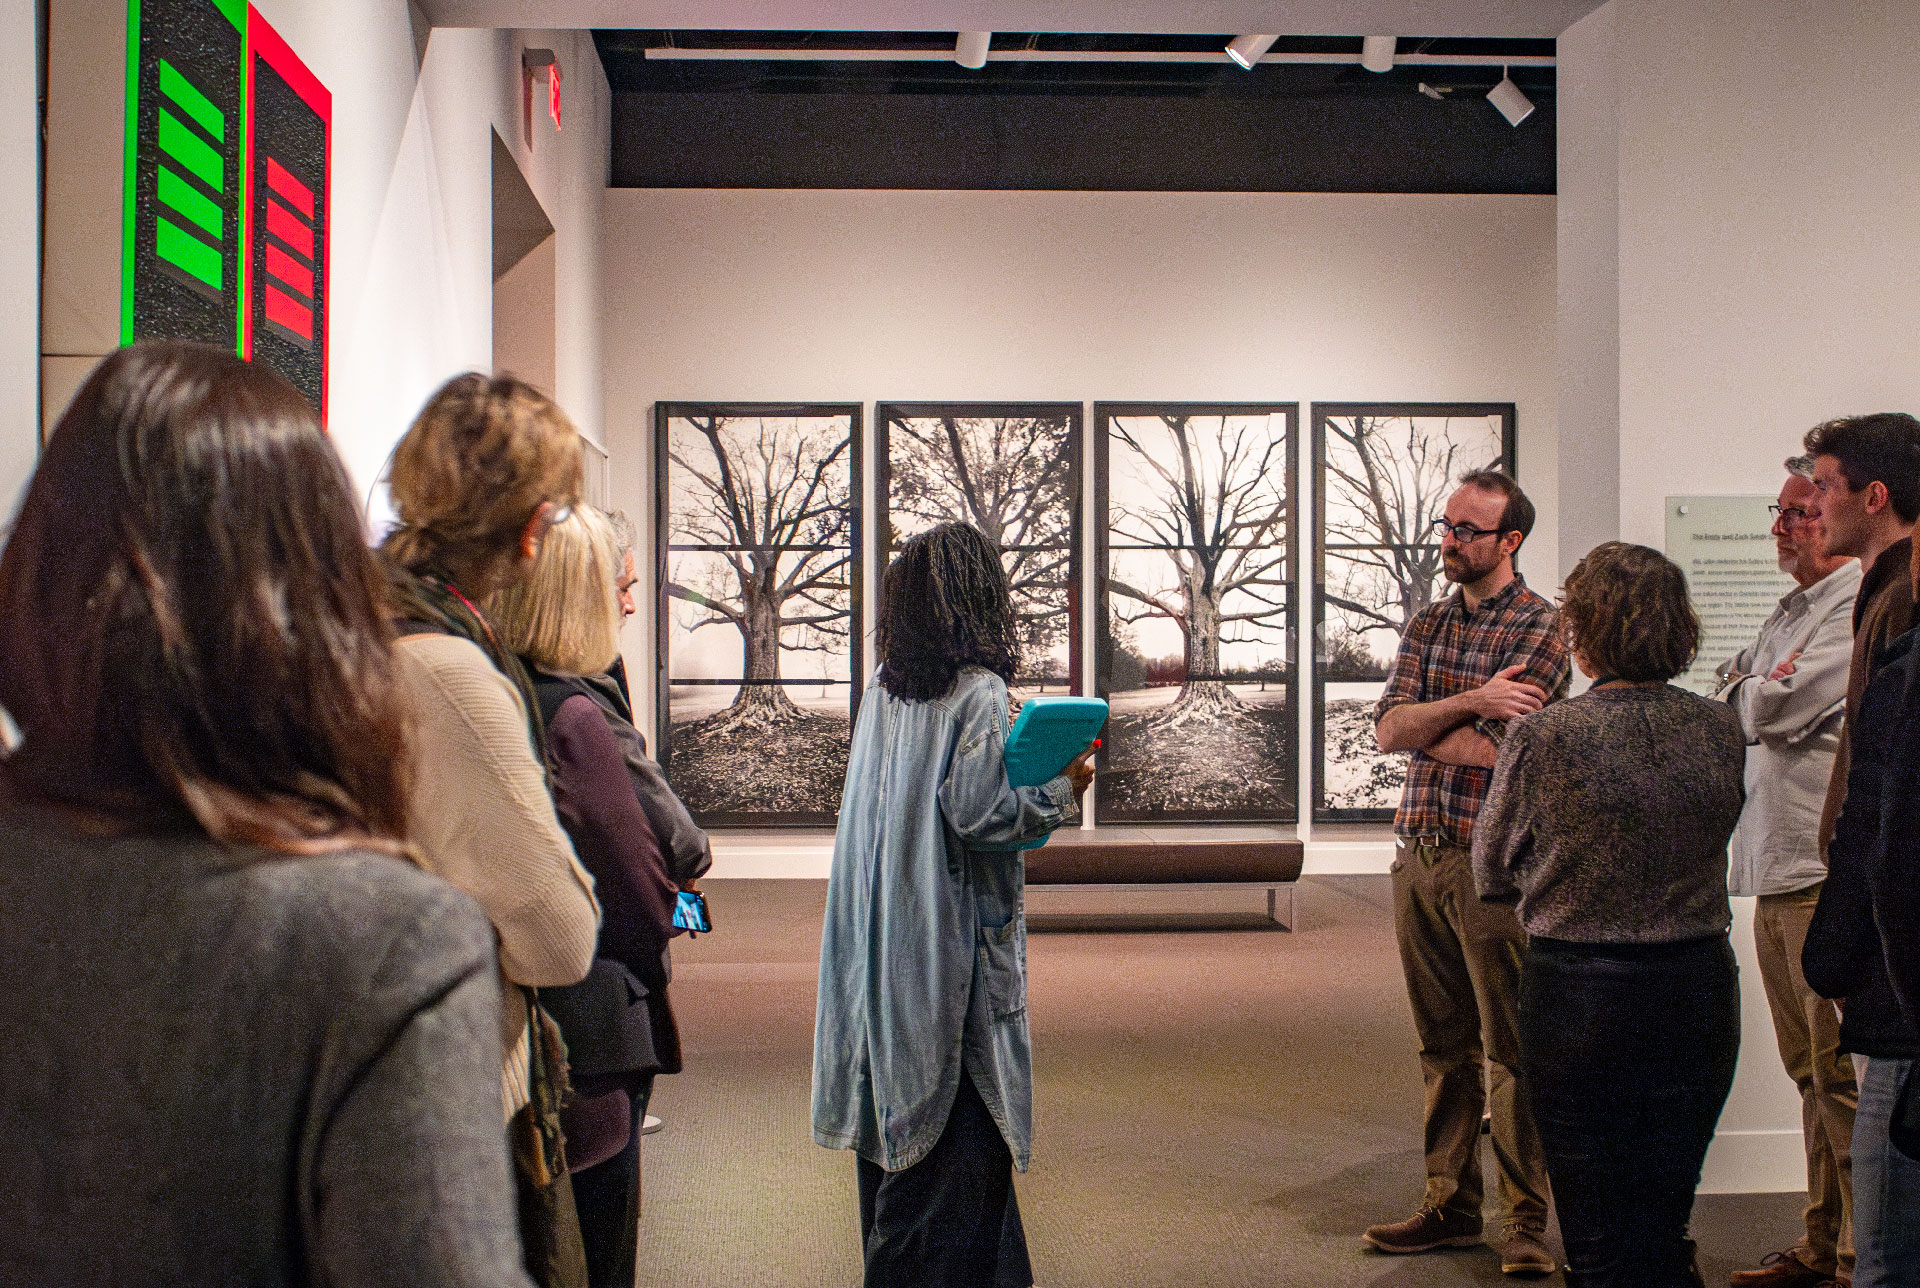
(768, 497)
(1383, 493)
(1222, 519)
(1386, 477)
(1011, 477)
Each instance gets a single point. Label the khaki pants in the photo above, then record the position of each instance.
(1808, 1030)
(1462, 960)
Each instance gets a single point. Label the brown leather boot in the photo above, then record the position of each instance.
(1429, 1228)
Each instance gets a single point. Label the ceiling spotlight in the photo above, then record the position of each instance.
(1248, 50)
(970, 48)
(1506, 96)
(1376, 53)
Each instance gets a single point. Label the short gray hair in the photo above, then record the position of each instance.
(1801, 465)
(625, 534)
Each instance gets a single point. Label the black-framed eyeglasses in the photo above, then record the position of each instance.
(1464, 533)
(1791, 515)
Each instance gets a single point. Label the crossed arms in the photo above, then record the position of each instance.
(1446, 728)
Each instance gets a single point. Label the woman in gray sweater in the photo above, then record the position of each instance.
(1608, 820)
(246, 1042)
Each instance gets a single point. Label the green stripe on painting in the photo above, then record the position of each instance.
(192, 204)
(235, 12)
(192, 152)
(132, 143)
(188, 98)
(186, 252)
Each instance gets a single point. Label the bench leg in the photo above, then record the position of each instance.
(1273, 906)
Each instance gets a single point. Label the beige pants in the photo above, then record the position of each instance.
(1808, 1030)
(1462, 961)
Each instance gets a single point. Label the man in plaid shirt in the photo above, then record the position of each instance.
(1488, 653)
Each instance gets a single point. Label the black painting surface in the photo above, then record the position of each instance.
(198, 41)
(291, 134)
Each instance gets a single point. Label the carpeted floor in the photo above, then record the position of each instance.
(1216, 1102)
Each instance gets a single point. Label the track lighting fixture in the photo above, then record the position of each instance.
(970, 48)
(1248, 50)
(1376, 53)
(1506, 96)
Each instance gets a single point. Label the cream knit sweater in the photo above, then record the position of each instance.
(483, 821)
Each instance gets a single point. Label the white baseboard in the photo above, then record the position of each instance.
(1755, 1162)
(808, 856)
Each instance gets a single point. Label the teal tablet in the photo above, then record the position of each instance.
(1046, 736)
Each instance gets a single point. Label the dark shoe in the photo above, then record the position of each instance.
(1780, 1270)
(1425, 1230)
(1522, 1252)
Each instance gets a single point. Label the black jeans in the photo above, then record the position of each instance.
(607, 1196)
(1629, 1050)
(950, 1220)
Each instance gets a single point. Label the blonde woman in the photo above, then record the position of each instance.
(486, 469)
(564, 621)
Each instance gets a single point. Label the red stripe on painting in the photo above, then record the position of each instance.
(271, 49)
(286, 225)
(297, 194)
(292, 272)
(282, 310)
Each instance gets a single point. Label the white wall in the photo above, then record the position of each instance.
(843, 296)
(412, 278)
(19, 253)
(1759, 275)
(414, 111)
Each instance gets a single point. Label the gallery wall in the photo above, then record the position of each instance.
(20, 252)
(415, 110)
(1737, 264)
(938, 296)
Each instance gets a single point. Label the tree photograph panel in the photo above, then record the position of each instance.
(759, 599)
(1385, 473)
(1013, 471)
(1197, 606)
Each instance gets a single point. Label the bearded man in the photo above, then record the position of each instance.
(1488, 653)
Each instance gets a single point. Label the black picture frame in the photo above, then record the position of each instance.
(1114, 807)
(886, 415)
(1322, 811)
(671, 757)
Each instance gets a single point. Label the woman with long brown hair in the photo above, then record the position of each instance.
(245, 1044)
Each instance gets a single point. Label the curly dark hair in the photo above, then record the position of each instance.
(1627, 612)
(945, 605)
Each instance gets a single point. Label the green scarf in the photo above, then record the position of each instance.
(426, 602)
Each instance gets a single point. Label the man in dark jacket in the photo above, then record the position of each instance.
(1847, 955)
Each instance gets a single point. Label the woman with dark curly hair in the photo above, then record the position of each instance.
(921, 1063)
(1608, 821)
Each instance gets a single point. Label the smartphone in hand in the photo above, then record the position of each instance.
(690, 914)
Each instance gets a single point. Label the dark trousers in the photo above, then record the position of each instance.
(951, 1220)
(607, 1196)
(1629, 1052)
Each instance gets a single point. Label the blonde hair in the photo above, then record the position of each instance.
(477, 464)
(565, 616)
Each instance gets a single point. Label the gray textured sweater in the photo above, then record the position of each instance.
(1609, 816)
(221, 1068)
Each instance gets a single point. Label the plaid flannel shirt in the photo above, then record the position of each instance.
(1447, 650)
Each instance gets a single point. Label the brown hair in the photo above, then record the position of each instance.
(1884, 446)
(564, 617)
(190, 620)
(1626, 611)
(477, 464)
(1518, 514)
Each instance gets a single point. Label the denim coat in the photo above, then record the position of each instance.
(923, 958)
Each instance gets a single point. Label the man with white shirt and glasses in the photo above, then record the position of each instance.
(1789, 688)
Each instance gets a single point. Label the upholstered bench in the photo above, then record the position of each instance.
(1162, 858)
